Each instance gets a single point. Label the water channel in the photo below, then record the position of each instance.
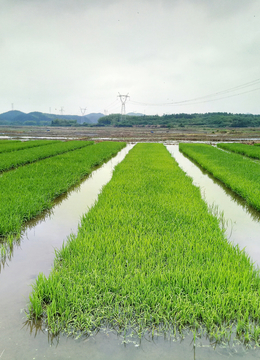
(19, 339)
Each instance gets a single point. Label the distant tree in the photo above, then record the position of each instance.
(30, 122)
(215, 120)
(62, 122)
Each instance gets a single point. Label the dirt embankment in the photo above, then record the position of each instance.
(132, 134)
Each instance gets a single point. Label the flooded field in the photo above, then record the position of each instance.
(20, 339)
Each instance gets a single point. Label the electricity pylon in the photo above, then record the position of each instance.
(82, 110)
(123, 99)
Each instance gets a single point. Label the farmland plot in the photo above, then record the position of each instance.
(150, 256)
(8, 141)
(16, 158)
(20, 145)
(28, 190)
(242, 149)
(239, 174)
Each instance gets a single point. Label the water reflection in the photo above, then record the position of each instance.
(34, 328)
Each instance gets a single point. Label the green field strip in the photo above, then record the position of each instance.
(242, 149)
(17, 158)
(28, 190)
(149, 257)
(8, 141)
(13, 146)
(238, 173)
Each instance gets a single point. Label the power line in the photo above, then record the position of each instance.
(221, 98)
(202, 99)
(112, 104)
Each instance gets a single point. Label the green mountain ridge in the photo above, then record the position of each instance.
(15, 117)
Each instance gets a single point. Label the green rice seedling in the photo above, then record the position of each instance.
(17, 158)
(27, 191)
(14, 146)
(242, 149)
(149, 256)
(8, 141)
(238, 173)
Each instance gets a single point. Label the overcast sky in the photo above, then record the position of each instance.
(81, 53)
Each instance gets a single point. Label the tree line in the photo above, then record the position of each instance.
(216, 119)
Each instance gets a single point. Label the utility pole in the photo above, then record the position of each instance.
(123, 99)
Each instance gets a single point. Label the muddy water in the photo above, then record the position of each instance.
(22, 340)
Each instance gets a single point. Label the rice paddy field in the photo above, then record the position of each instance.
(238, 173)
(150, 271)
(13, 145)
(243, 149)
(164, 264)
(37, 185)
(14, 159)
(8, 141)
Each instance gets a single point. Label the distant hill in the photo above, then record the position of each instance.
(10, 115)
(15, 117)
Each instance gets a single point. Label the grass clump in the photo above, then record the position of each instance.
(242, 149)
(238, 173)
(149, 256)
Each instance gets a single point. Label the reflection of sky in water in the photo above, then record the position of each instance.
(243, 222)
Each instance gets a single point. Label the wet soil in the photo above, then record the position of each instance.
(143, 134)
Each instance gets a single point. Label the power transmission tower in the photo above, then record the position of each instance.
(62, 110)
(123, 99)
(82, 110)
